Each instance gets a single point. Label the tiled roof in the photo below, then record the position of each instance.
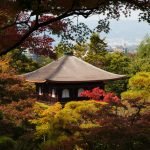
(70, 69)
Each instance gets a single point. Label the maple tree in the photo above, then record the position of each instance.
(13, 88)
(19, 112)
(22, 22)
(100, 95)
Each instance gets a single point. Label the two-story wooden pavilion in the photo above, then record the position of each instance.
(64, 79)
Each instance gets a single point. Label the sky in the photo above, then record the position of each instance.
(126, 31)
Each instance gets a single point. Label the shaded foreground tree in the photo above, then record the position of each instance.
(22, 22)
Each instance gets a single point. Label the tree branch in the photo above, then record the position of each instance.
(16, 23)
(34, 28)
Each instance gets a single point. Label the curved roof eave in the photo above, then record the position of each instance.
(73, 81)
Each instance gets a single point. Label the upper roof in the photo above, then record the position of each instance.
(70, 69)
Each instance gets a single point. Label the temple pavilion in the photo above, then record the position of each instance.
(64, 79)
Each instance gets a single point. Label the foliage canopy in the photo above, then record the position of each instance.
(23, 21)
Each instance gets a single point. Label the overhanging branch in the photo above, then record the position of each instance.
(31, 30)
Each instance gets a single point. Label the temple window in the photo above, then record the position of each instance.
(40, 91)
(53, 93)
(80, 91)
(65, 93)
